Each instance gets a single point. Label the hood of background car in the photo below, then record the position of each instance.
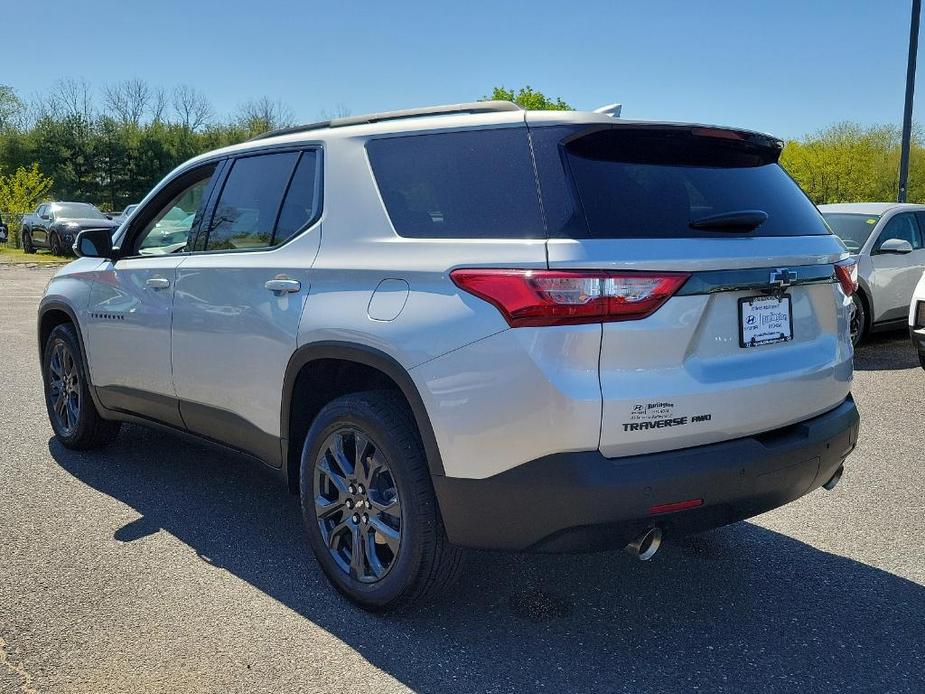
(88, 223)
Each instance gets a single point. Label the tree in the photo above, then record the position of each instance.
(128, 100)
(261, 115)
(12, 108)
(20, 193)
(191, 107)
(529, 98)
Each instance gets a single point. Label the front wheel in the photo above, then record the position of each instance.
(54, 244)
(73, 416)
(369, 506)
(858, 322)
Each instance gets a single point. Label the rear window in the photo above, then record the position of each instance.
(472, 184)
(853, 229)
(623, 182)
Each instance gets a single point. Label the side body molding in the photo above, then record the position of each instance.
(367, 356)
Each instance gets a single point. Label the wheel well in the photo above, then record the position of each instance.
(48, 322)
(318, 383)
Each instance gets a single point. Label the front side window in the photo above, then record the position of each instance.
(902, 227)
(168, 229)
(246, 212)
(471, 184)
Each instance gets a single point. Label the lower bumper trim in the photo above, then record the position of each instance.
(583, 501)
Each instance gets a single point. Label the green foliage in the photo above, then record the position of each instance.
(20, 193)
(529, 98)
(848, 162)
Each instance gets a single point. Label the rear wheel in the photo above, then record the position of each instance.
(922, 359)
(73, 416)
(858, 323)
(369, 505)
(27, 245)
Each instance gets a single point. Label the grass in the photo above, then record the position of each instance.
(17, 255)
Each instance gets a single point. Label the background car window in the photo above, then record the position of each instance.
(474, 184)
(169, 230)
(303, 198)
(903, 227)
(246, 213)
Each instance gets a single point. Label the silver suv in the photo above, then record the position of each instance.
(474, 326)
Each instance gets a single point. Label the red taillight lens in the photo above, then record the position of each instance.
(566, 297)
(847, 273)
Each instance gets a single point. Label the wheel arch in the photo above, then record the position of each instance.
(382, 366)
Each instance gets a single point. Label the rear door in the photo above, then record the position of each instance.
(239, 299)
(894, 275)
(756, 337)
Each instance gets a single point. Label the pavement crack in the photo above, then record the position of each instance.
(18, 669)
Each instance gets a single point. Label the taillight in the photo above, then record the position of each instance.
(567, 297)
(847, 273)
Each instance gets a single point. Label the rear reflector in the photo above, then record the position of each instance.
(566, 297)
(847, 273)
(676, 506)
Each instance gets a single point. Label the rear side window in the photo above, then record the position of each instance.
(245, 215)
(472, 184)
(302, 203)
(624, 182)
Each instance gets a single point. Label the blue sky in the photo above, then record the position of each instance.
(780, 66)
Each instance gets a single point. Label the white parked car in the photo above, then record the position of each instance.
(917, 320)
(887, 238)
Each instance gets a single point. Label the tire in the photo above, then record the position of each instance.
(412, 559)
(54, 244)
(77, 423)
(858, 322)
(922, 359)
(27, 244)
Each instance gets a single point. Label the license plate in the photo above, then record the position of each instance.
(764, 320)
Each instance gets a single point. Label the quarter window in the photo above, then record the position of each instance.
(246, 212)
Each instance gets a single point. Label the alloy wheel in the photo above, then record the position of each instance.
(856, 323)
(64, 388)
(357, 505)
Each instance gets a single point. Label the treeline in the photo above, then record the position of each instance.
(848, 162)
(110, 146)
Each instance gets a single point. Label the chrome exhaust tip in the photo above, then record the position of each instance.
(646, 544)
(836, 478)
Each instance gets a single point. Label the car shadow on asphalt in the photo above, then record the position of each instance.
(740, 609)
(886, 351)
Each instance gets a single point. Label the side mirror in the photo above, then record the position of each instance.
(895, 246)
(94, 243)
(109, 216)
(45, 216)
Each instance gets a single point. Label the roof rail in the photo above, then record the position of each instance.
(471, 107)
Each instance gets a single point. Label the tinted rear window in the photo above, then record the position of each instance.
(622, 182)
(472, 184)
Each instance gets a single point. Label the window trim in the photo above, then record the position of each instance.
(220, 187)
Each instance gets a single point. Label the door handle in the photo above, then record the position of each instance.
(157, 283)
(282, 285)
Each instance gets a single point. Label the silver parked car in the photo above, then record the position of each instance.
(887, 238)
(474, 325)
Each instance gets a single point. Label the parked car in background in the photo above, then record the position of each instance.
(887, 238)
(124, 214)
(550, 331)
(54, 225)
(4, 230)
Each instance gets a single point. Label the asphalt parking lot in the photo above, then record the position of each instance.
(157, 565)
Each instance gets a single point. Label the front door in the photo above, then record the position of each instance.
(239, 300)
(894, 275)
(131, 302)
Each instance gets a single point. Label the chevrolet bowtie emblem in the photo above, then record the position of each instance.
(781, 279)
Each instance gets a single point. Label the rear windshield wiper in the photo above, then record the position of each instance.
(737, 220)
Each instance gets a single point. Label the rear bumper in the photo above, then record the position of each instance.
(584, 501)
